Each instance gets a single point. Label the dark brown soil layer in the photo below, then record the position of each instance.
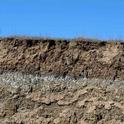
(76, 58)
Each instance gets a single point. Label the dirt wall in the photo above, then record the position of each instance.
(76, 58)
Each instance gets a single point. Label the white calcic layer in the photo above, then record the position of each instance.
(18, 79)
(13, 78)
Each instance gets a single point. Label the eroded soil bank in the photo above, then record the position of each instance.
(46, 81)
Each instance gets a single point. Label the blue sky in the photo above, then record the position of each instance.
(103, 19)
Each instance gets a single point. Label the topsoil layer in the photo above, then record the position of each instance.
(75, 58)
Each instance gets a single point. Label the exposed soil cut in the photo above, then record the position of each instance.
(48, 81)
